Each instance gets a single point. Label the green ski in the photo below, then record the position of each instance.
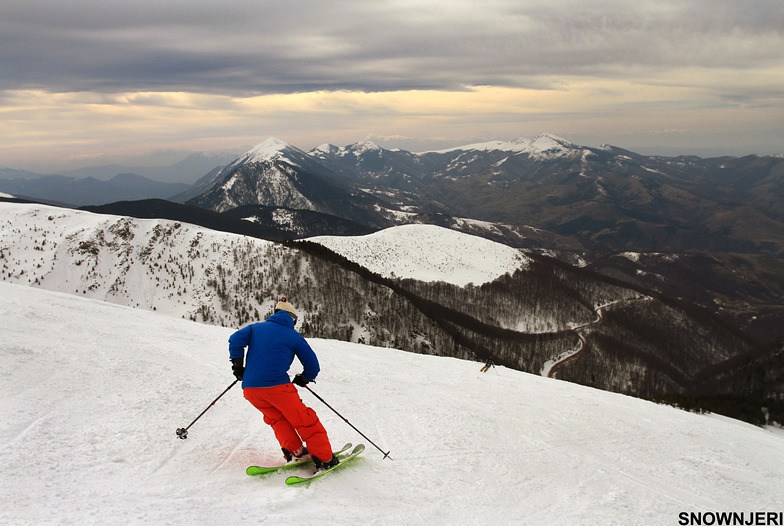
(359, 448)
(261, 470)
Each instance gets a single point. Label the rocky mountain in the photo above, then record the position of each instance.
(275, 173)
(369, 164)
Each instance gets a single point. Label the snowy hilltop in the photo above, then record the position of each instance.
(92, 394)
(428, 253)
(542, 146)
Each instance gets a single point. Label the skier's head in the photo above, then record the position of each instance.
(283, 304)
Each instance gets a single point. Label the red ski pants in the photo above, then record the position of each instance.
(291, 420)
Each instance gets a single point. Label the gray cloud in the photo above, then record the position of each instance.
(244, 47)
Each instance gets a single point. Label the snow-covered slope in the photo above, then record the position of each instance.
(542, 146)
(92, 393)
(428, 253)
(154, 264)
(225, 279)
(170, 267)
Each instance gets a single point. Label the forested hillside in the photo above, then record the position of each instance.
(612, 336)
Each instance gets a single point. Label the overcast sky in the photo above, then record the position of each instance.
(93, 81)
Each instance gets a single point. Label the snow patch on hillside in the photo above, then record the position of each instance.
(543, 146)
(356, 149)
(428, 253)
(362, 147)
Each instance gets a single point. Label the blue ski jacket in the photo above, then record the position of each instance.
(272, 345)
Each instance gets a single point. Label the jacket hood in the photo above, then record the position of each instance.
(283, 318)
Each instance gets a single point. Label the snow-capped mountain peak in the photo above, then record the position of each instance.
(324, 149)
(272, 148)
(541, 144)
(357, 149)
(361, 147)
(544, 145)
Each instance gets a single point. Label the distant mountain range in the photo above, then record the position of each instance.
(71, 191)
(106, 184)
(600, 199)
(185, 171)
(710, 231)
(277, 174)
(543, 192)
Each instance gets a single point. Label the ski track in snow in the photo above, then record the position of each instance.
(92, 393)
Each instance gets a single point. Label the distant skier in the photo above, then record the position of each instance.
(488, 364)
(272, 346)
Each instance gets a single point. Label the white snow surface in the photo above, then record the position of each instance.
(544, 145)
(92, 393)
(154, 264)
(268, 149)
(356, 149)
(428, 253)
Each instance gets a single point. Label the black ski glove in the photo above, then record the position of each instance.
(299, 380)
(237, 368)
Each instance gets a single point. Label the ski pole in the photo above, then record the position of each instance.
(386, 455)
(183, 431)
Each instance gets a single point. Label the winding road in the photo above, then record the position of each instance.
(549, 369)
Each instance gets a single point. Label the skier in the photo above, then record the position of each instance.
(272, 345)
(489, 363)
